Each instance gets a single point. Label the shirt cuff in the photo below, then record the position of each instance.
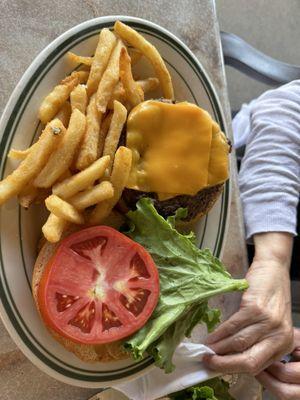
(269, 217)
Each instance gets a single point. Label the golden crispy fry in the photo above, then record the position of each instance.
(80, 59)
(106, 44)
(118, 94)
(134, 92)
(149, 51)
(78, 98)
(63, 209)
(62, 158)
(64, 113)
(81, 76)
(30, 167)
(55, 99)
(103, 131)
(148, 84)
(109, 78)
(20, 154)
(28, 195)
(119, 178)
(53, 228)
(15, 154)
(113, 136)
(89, 197)
(82, 180)
(88, 151)
(135, 55)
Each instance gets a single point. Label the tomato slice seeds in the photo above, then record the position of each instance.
(99, 287)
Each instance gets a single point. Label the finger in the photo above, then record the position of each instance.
(239, 342)
(296, 351)
(251, 361)
(235, 323)
(288, 373)
(296, 355)
(281, 390)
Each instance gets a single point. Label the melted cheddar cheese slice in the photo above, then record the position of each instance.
(177, 149)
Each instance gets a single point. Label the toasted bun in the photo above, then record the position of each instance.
(197, 205)
(88, 353)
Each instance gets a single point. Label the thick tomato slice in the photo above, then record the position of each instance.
(99, 287)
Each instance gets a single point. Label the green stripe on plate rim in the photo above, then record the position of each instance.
(10, 128)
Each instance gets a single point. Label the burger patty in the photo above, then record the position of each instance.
(197, 205)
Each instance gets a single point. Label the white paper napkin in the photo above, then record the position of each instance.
(189, 371)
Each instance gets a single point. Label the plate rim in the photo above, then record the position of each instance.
(5, 142)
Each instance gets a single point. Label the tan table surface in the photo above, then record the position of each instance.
(26, 27)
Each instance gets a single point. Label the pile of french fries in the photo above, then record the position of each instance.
(76, 167)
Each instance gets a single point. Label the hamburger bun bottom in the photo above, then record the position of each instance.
(85, 352)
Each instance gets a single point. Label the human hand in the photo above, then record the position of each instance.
(283, 380)
(261, 331)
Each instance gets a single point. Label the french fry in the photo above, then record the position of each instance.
(148, 84)
(63, 209)
(113, 136)
(106, 44)
(135, 55)
(27, 196)
(119, 178)
(53, 228)
(118, 94)
(64, 113)
(109, 78)
(79, 59)
(78, 98)
(20, 154)
(81, 77)
(55, 99)
(62, 158)
(134, 92)
(103, 131)
(33, 163)
(82, 180)
(102, 191)
(88, 151)
(150, 52)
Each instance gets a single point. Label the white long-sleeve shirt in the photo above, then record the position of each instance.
(269, 178)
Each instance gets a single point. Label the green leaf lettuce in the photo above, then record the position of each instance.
(188, 278)
(213, 389)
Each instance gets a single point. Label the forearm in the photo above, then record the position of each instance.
(270, 173)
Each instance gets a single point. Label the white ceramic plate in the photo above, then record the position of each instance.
(20, 229)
